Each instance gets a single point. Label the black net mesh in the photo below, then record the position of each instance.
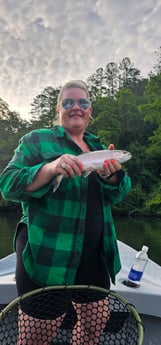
(70, 315)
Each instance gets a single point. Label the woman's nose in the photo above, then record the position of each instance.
(76, 104)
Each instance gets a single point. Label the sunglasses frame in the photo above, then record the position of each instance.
(79, 102)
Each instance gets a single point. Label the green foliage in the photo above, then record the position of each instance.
(152, 107)
(105, 122)
(153, 203)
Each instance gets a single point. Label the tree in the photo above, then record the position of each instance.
(130, 119)
(129, 75)
(152, 114)
(4, 108)
(10, 121)
(95, 85)
(105, 122)
(43, 107)
(157, 66)
(111, 74)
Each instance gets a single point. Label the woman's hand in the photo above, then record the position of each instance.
(110, 167)
(66, 165)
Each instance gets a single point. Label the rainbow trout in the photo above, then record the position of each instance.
(93, 161)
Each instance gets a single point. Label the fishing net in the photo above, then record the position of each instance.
(65, 314)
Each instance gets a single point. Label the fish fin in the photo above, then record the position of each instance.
(56, 182)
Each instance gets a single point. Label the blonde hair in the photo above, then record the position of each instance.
(72, 84)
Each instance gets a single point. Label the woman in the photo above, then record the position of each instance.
(65, 237)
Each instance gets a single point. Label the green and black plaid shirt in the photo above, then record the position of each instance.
(56, 221)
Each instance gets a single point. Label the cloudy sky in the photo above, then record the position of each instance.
(48, 42)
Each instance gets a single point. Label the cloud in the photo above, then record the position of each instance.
(45, 43)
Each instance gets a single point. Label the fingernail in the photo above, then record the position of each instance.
(105, 165)
(79, 174)
(113, 161)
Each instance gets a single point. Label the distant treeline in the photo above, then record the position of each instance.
(126, 112)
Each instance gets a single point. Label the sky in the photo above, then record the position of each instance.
(48, 42)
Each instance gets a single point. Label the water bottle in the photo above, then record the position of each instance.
(138, 267)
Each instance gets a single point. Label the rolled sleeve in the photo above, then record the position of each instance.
(115, 193)
(13, 183)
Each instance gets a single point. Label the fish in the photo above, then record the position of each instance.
(93, 161)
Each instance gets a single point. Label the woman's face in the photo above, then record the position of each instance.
(75, 118)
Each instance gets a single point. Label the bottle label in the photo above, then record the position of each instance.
(135, 275)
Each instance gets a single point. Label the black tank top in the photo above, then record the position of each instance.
(94, 220)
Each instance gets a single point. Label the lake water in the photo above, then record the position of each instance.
(132, 231)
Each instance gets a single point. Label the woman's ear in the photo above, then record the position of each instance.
(57, 109)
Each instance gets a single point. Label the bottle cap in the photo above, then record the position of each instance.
(145, 249)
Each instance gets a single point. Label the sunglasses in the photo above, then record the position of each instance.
(68, 103)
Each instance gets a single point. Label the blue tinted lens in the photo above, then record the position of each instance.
(83, 103)
(68, 103)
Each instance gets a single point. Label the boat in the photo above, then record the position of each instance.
(146, 298)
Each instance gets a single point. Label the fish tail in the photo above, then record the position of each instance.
(87, 173)
(56, 182)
